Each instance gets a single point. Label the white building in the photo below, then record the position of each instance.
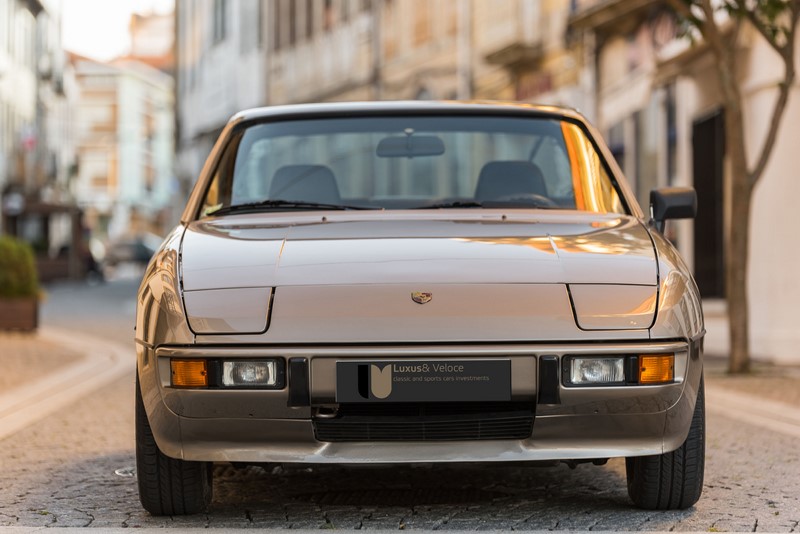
(18, 88)
(125, 179)
(37, 148)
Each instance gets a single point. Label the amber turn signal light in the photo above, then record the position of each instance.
(656, 369)
(189, 373)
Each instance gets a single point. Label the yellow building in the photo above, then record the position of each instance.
(323, 50)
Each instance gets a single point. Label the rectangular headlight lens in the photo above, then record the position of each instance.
(585, 371)
(249, 373)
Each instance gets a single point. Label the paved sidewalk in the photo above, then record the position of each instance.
(766, 381)
(95, 362)
(28, 357)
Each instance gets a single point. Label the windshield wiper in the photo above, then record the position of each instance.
(456, 204)
(521, 203)
(290, 204)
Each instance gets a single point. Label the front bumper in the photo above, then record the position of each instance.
(260, 426)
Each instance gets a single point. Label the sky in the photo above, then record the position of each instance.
(99, 28)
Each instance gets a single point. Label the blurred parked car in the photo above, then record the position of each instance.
(134, 250)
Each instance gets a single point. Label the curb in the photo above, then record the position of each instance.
(768, 414)
(103, 362)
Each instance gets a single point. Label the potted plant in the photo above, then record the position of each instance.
(19, 286)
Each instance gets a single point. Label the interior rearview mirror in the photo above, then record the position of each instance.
(410, 146)
(672, 203)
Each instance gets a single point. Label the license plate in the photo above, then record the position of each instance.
(423, 381)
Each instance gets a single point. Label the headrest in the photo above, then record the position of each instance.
(312, 183)
(500, 179)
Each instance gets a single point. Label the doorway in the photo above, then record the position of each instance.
(708, 152)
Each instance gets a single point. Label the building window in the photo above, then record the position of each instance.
(672, 136)
(309, 19)
(422, 22)
(616, 143)
(276, 24)
(328, 16)
(649, 138)
(5, 24)
(250, 25)
(260, 31)
(219, 20)
(286, 23)
(292, 23)
(388, 31)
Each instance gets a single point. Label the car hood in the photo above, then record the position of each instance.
(276, 250)
(348, 277)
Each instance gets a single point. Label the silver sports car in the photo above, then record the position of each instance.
(418, 282)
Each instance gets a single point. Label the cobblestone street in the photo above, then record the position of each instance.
(74, 468)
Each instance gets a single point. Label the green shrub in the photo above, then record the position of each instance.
(17, 269)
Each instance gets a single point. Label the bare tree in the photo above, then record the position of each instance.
(776, 22)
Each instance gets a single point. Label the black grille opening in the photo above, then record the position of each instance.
(427, 422)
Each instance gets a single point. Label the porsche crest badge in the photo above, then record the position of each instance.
(421, 297)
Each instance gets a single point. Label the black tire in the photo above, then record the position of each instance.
(672, 481)
(167, 486)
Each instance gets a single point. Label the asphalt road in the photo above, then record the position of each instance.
(74, 468)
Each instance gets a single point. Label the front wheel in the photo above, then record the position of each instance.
(674, 480)
(167, 486)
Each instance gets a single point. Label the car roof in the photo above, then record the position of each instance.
(476, 107)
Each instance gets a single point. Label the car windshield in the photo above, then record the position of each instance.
(408, 162)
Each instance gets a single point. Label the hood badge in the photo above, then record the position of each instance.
(421, 297)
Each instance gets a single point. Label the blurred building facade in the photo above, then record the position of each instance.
(36, 91)
(18, 82)
(125, 178)
(84, 146)
(325, 50)
(623, 63)
(37, 148)
(153, 40)
(221, 69)
(292, 51)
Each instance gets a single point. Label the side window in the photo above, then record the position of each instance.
(212, 201)
(594, 190)
(218, 193)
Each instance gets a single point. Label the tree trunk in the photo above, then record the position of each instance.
(700, 13)
(738, 215)
(737, 240)
(736, 260)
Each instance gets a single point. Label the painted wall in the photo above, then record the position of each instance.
(774, 291)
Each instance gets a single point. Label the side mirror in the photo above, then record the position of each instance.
(672, 203)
